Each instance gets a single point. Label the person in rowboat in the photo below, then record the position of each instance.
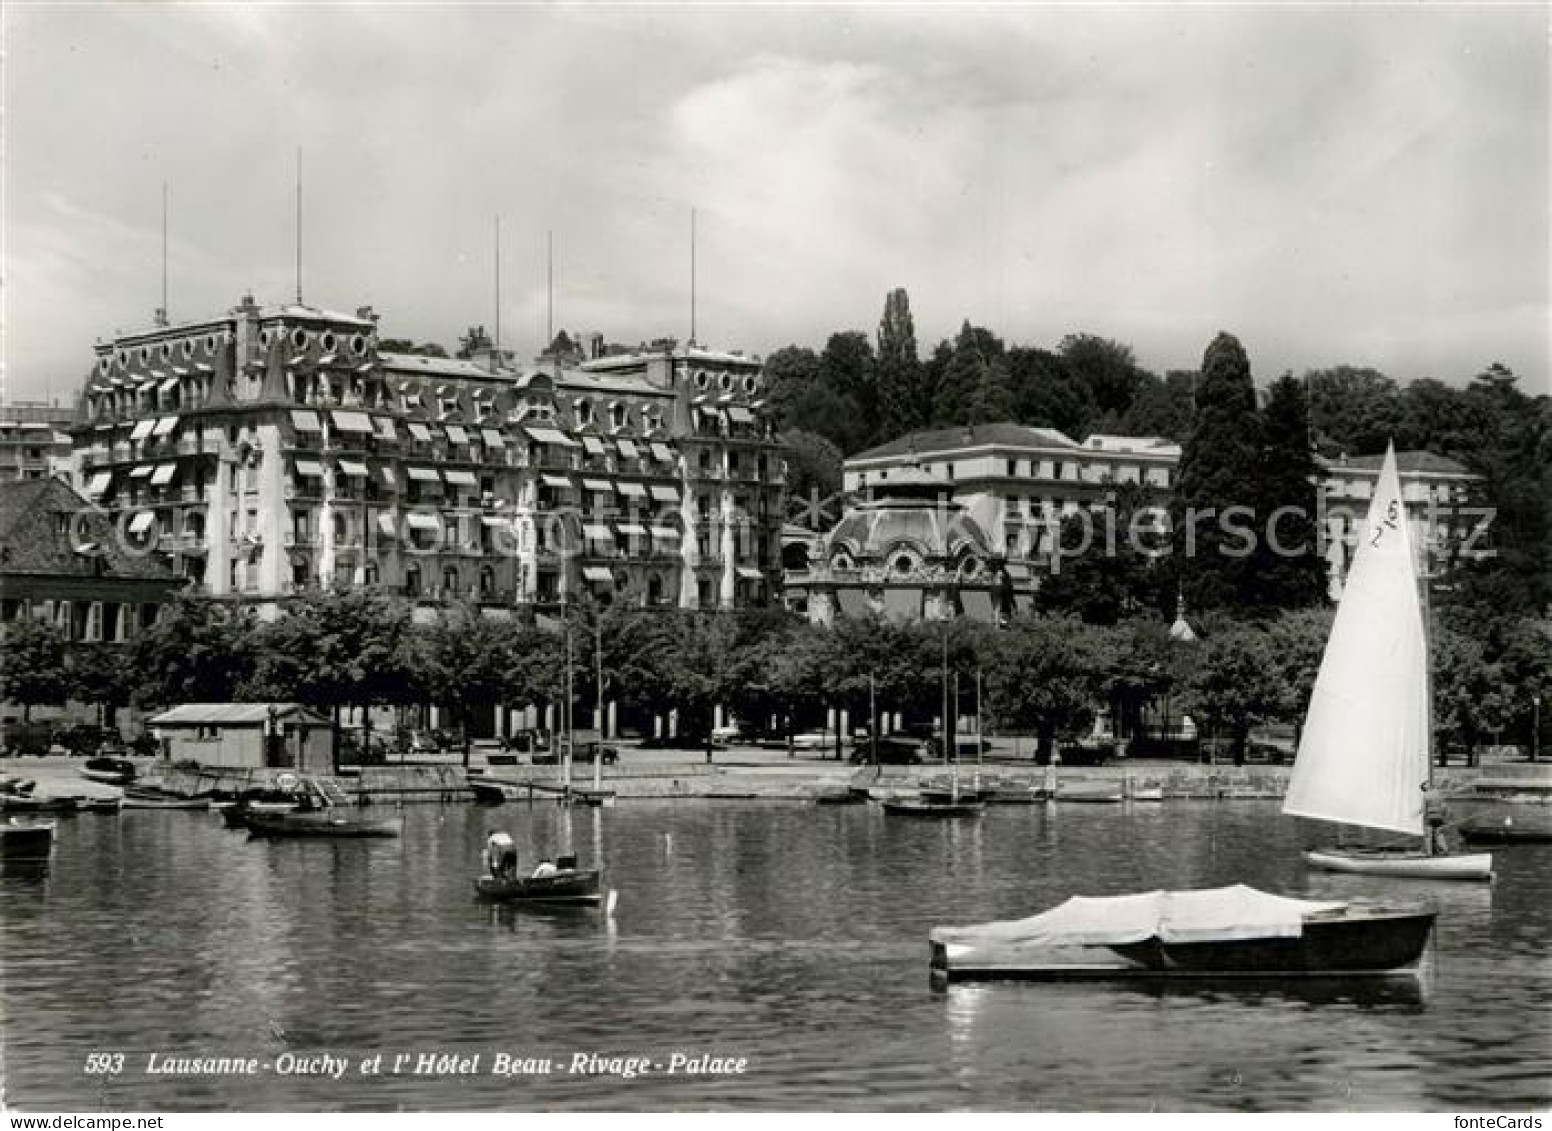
(501, 856)
(545, 870)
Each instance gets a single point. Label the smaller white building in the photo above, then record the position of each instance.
(246, 736)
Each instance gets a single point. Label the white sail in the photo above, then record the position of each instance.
(1363, 756)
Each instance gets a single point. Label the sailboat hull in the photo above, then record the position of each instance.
(1402, 863)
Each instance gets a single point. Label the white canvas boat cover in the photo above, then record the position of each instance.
(1206, 915)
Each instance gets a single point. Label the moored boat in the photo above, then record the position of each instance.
(1090, 792)
(496, 792)
(1519, 828)
(922, 807)
(31, 803)
(1219, 932)
(235, 816)
(25, 840)
(109, 771)
(147, 798)
(329, 822)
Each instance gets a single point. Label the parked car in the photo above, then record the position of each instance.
(892, 750)
(813, 740)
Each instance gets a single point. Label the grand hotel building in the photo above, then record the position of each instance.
(278, 450)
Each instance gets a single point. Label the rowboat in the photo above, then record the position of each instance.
(27, 803)
(235, 816)
(1090, 792)
(1233, 931)
(1521, 828)
(110, 771)
(25, 840)
(330, 822)
(1365, 753)
(136, 798)
(496, 792)
(921, 807)
(568, 886)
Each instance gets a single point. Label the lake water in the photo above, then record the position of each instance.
(792, 936)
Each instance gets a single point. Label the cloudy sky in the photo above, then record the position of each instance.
(1332, 184)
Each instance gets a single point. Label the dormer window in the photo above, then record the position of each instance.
(618, 415)
(582, 409)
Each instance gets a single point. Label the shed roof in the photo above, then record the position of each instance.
(235, 714)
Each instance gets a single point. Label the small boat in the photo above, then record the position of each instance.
(844, 795)
(333, 821)
(30, 803)
(1233, 931)
(235, 815)
(1090, 792)
(496, 792)
(145, 797)
(1147, 793)
(1521, 828)
(922, 807)
(98, 804)
(110, 771)
(1365, 754)
(25, 840)
(569, 885)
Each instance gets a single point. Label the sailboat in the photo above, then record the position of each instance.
(1365, 755)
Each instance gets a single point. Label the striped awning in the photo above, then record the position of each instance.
(551, 436)
(358, 422)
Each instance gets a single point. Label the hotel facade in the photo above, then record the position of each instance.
(275, 451)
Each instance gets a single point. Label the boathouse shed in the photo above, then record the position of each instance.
(246, 736)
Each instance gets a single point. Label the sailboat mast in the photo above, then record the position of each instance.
(598, 679)
(1427, 599)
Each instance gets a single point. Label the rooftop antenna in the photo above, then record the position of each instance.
(161, 311)
(299, 225)
(692, 276)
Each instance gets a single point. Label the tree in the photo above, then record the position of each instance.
(1106, 367)
(474, 340)
(964, 380)
(1046, 674)
(34, 671)
(849, 372)
(1469, 700)
(1046, 394)
(992, 400)
(1219, 466)
(1353, 411)
(1161, 407)
(1289, 569)
(196, 652)
(699, 667)
(814, 465)
(904, 400)
(1234, 684)
(465, 661)
(1109, 563)
(790, 375)
(101, 674)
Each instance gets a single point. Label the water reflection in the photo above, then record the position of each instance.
(794, 935)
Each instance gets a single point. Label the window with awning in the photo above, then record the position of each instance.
(597, 573)
(597, 533)
(420, 432)
(142, 522)
(142, 471)
(665, 494)
(592, 445)
(163, 474)
(551, 436)
(665, 533)
(98, 483)
(388, 477)
(749, 573)
(305, 421)
(558, 481)
(168, 385)
(353, 468)
(633, 490)
(358, 422)
(662, 451)
(492, 438)
(424, 474)
(456, 433)
(740, 415)
(386, 429)
(142, 429)
(310, 468)
(165, 425)
(461, 478)
(601, 486)
(385, 523)
(423, 521)
(628, 449)
(632, 528)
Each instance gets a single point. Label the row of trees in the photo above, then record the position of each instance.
(1046, 676)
